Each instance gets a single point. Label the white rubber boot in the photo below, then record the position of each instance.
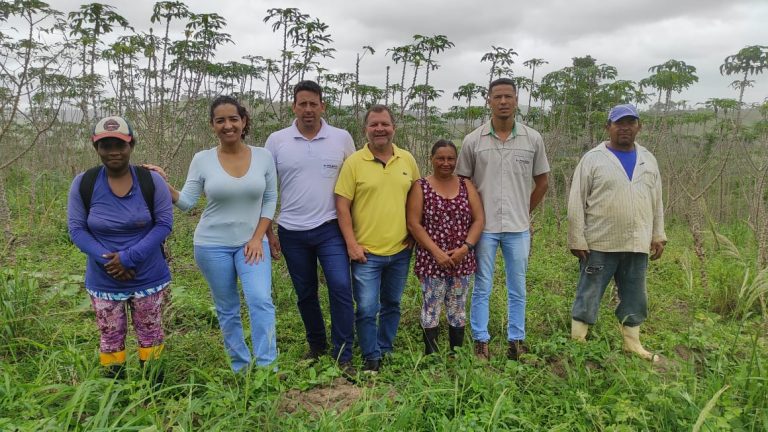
(632, 343)
(579, 330)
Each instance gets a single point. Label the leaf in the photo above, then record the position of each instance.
(707, 408)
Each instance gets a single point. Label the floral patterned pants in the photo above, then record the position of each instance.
(112, 319)
(452, 291)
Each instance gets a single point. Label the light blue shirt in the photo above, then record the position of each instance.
(234, 204)
(307, 170)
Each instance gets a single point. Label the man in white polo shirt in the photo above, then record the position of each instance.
(615, 222)
(308, 156)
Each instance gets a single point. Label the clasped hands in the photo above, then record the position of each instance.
(116, 269)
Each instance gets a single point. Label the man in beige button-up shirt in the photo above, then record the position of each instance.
(615, 220)
(507, 163)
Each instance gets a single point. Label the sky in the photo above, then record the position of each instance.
(631, 37)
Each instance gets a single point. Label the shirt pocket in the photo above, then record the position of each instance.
(522, 162)
(330, 166)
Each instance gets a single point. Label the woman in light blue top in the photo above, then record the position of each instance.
(239, 182)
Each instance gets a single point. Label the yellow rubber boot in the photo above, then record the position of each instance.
(113, 364)
(579, 330)
(151, 353)
(632, 344)
(110, 359)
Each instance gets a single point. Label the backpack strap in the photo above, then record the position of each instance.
(147, 186)
(87, 183)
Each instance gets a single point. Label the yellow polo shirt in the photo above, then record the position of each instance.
(378, 193)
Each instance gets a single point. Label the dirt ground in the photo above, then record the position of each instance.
(339, 396)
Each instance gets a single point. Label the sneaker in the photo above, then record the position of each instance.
(481, 351)
(371, 366)
(516, 349)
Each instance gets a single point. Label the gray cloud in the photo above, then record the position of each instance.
(632, 37)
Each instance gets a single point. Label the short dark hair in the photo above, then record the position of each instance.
(307, 85)
(501, 81)
(443, 143)
(241, 111)
(378, 108)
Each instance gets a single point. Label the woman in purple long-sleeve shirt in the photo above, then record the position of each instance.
(126, 268)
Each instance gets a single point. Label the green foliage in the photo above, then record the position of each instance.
(740, 290)
(50, 378)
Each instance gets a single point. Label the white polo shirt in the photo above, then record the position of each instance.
(307, 171)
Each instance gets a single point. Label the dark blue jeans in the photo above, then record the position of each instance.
(378, 286)
(302, 250)
(628, 269)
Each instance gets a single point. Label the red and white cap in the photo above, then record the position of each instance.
(113, 127)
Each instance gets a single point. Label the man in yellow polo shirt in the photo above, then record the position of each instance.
(370, 203)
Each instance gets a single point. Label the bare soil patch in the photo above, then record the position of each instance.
(338, 396)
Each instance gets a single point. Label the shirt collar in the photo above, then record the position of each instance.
(368, 155)
(321, 134)
(488, 129)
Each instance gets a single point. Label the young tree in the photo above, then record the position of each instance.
(672, 76)
(356, 90)
(500, 59)
(429, 46)
(750, 60)
(404, 54)
(88, 24)
(311, 37)
(532, 64)
(468, 92)
(165, 12)
(287, 19)
(34, 84)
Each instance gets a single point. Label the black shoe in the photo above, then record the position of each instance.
(430, 340)
(516, 349)
(314, 354)
(371, 366)
(115, 371)
(455, 337)
(348, 371)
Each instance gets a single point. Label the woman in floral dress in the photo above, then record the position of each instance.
(445, 216)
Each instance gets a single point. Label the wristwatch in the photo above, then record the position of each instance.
(470, 246)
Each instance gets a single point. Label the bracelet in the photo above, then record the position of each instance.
(469, 245)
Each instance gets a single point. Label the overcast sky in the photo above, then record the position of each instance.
(632, 37)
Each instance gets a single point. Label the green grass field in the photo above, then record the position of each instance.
(714, 379)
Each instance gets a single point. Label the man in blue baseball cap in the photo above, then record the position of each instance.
(618, 231)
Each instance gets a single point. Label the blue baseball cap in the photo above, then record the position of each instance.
(623, 110)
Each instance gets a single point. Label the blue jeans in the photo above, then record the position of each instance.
(515, 247)
(302, 250)
(378, 285)
(628, 269)
(222, 266)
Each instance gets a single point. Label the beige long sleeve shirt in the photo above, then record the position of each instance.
(607, 211)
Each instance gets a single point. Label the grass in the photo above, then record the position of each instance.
(50, 378)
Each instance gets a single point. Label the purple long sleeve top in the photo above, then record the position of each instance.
(123, 225)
